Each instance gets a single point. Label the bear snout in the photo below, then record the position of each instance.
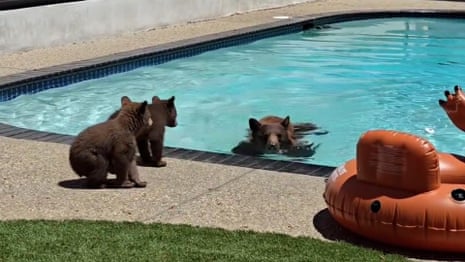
(272, 143)
(172, 123)
(273, 147)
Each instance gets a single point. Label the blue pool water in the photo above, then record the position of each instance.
(350, 78)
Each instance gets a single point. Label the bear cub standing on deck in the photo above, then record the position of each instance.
(110, 147)
(163, 113)
(272, 133)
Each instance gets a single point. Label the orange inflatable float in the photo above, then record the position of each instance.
(399, 190)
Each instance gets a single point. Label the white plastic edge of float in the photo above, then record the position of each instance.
(340, 170)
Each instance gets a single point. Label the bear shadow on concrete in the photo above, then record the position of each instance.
(325, 224)
(80, 183)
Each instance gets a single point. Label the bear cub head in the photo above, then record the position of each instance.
(271, 133)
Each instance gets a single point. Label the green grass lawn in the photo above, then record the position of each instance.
(111, 241)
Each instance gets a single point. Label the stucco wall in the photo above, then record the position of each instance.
(63, 23)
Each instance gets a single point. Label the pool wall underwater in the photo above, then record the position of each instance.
(62, 75)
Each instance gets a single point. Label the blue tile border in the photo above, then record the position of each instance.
(62, 75)
(62, 78)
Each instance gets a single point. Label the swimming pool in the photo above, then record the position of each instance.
(352, 77)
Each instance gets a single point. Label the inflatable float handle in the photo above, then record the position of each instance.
(454, 106)
(397, 160)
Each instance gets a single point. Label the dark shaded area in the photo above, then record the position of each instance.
(330, 229)
(18, 4)
(446, 63)
(458, 157)
(140, 162)
(79, 183)
(304, 129)
(301, 151)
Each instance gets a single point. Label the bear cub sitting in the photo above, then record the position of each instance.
(110, 147)
(150, 140)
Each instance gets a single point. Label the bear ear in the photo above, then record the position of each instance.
(155, 99)
(125, 100)
(142, 108)
(170, 102)
(254, 124)
(286, 121)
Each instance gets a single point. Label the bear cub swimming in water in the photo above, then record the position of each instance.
(272, 133)
(110, 147)
(150, 140)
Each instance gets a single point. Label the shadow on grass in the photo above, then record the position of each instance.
(330, 229)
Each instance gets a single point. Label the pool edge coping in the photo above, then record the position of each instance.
(308, 21)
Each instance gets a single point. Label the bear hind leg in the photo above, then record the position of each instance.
(134, 175)
(97, 178)
(157, 152)
(121, 167)
(143, 147)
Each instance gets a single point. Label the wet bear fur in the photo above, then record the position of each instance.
(271, 133)
(110, 147)
(150, 141)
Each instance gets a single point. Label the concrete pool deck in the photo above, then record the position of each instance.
(37, 182)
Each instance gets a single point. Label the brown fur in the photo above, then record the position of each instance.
(110, 147)
(272, 133)
(150, 140)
